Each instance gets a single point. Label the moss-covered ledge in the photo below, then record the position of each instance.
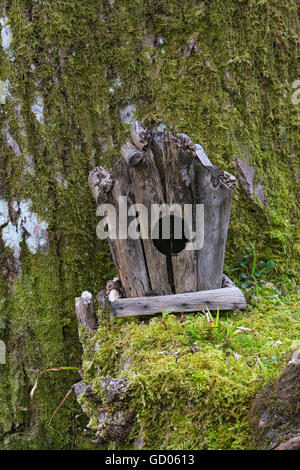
(182, 384)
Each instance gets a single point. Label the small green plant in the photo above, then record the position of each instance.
(229, 328)
(193, 331)
(254, 269)
(164, 316)
(214, 323)
(262, 366)
(222, 330)
(167, 312)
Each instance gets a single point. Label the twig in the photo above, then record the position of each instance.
(60, 405)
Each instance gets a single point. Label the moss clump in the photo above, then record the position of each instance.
(191, 386)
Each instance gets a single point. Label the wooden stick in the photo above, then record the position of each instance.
(228, 298)
(100, 182)
(131, 154)
(139, 135)
(84, 311)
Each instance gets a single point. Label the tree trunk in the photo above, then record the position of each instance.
(75, 72)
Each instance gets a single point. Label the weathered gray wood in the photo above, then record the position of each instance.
(139, 135)
(84, 311)
(174, 165)
(147, 190)
(128, 253)
(228, 298)
(184, 264)
(201, 155)
(131, 154)
(227, 282)
(100, 182)
(216, 196)
(159, 168)
(189, 177)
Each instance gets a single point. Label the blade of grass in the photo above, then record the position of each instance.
(60, 405)
(218, 317)
(52, 369)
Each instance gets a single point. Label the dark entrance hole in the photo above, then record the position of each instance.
(176, 242)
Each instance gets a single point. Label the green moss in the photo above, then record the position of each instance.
(191, 386)
(232, 95)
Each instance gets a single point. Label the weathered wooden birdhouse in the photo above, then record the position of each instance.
(174, 206)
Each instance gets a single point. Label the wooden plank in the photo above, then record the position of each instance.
(216, 195)
(184, 263)
(228, 298)
(147, 190)
(174, 164)
(128, 253)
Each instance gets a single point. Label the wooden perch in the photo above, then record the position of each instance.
(131, 154)
(101, 183)
(148, 193)
(84, 311)
(228, 298)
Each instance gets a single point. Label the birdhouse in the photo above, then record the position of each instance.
(165, 211)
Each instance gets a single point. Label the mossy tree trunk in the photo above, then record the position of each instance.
(75, 71)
